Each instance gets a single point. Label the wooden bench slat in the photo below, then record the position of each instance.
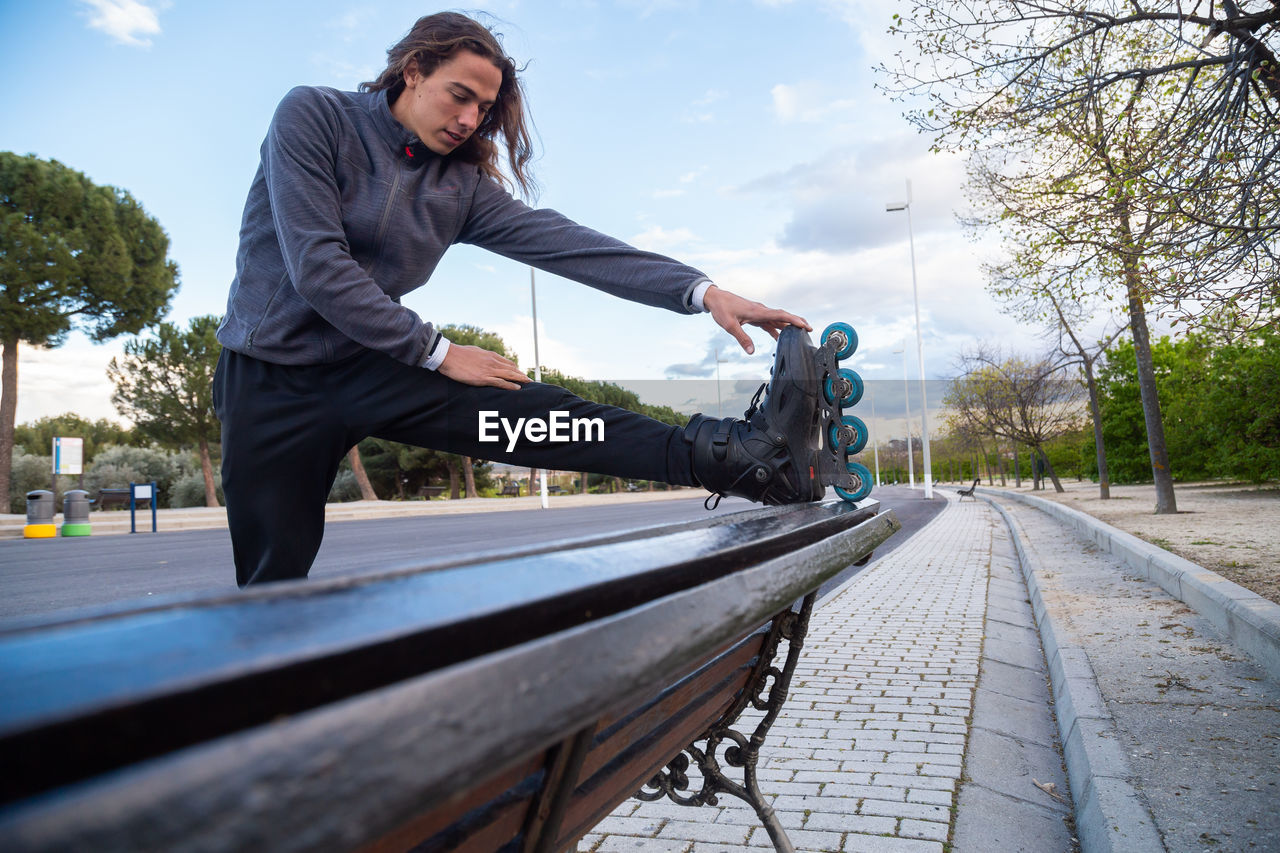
(735, 666)
(483, 794)
(391, 752)
(120, 699)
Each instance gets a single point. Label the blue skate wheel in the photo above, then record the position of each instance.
(855, 429)
(863, 489)
(841, 332)
(849, 382)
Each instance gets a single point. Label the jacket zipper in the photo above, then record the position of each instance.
(386, 215)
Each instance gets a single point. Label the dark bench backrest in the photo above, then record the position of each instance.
(457, 701)
(119, 498)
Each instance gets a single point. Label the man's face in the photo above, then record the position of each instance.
(444, 108)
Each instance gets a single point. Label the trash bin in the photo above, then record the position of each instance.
(75, 513)
(40, 515)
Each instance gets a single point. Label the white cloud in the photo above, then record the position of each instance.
(837, 200)
(655, 238)
(352, 23)
(807, 102)
(127, 21)
(556, 354)
(343, 73)
(71, 378)
(352, 19)
(686, 178)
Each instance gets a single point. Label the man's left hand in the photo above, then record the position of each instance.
(731, 311)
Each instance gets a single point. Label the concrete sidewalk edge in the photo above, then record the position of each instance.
(1110, 814)
(1249, 620)
(117, 522)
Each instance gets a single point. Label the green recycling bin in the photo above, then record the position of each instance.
(75, 513)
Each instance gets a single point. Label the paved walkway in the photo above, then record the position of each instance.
(923, 718)
(869, 752)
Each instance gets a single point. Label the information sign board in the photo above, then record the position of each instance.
(68, 456)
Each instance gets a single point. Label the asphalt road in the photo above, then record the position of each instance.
(50, 575)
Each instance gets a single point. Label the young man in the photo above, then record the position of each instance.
(357, 197)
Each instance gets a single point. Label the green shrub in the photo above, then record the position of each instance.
(117, 467)
(188, 490)
(345, 488)
(30, 472)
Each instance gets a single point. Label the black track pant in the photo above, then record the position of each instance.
(286, 429)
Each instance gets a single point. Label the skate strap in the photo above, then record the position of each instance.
(708, 505)
(755, 403)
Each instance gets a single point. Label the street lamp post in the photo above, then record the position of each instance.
(719, 361)
(927, 473)
(875, 449)
(906, 401)
(537, 377)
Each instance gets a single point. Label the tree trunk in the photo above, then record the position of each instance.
(1017, 467)
(8, 413)
(582, 483)
(469, 475)
(206, 467)
(1166, 502)
(987, 462)
(455, 478)
(1000, 466)
(1048, 467)
(1104, 479)
(362, 477)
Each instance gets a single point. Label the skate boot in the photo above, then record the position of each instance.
(791, 445)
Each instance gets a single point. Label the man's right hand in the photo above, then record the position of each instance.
(479, 366)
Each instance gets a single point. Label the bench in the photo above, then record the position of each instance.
(511, 488)
(118, 499)
(968, 493)
(430, 492)
(508, 701)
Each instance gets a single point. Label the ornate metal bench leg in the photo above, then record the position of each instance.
(766, 691)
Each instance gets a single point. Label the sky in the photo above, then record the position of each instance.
(743, 137)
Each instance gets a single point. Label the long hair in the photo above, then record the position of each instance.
(432, 41)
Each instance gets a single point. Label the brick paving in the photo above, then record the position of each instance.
(868, 752)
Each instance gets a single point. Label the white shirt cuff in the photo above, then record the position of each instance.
(437, 358)
(698, 293)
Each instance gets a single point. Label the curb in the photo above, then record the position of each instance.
(1251, 621)
(1110, 814)
(116, 522)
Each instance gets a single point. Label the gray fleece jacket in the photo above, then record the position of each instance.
(349, 211)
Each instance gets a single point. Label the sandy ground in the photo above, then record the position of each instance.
(1232, 529)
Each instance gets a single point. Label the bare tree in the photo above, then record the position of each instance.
(1086, 357)
(1070, 191)
(1040, 301)
(1022, 400)
(1205, 75)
